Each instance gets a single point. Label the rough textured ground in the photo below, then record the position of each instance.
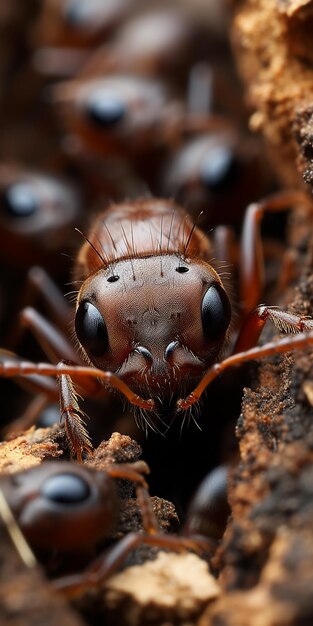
(266, 556)
(273, 47)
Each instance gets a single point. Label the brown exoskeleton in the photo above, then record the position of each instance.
(37, 213)
(71, 23)
(37, 216)
(119, 114)
(162, 42)
(216, 172)
(67, 509)
(209, 510)
(153, 316)
(179, 147)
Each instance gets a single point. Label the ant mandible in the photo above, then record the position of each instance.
(153, 317)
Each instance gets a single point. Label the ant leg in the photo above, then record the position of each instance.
(149, 520)
(130, 471)
(251, 264)
(254, 324)
(33, 382)
(53, 342)
(133, 472)
(29, 417)
(46, 393)
(70, 411)
(40, 285)
(107, 564)
(300, 341)
(11, 366)
(225, 248)
(73, 415)
(56, 346)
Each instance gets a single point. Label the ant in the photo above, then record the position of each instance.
(180, 149)
(208, 511)
(217, 172)
(37, 213)
(119, 115)
(123, 37)
(153, 316)
(66, 509)
(137, 47)
(71, 23)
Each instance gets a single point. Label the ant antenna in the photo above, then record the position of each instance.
(192, 231)
(92, 246)
(128, 249)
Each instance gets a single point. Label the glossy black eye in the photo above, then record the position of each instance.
(215, 312)
(113, 279)
(91, 329)
(65, 489)
(76, 12)
(220, 170)
(182, 269)
(20, 201)
(105, 109)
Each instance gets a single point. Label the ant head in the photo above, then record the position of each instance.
(216, 173)
(117, 114)
(33, 204)
(158, 317)
(62, 506)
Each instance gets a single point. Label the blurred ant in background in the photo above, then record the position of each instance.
(68, 513)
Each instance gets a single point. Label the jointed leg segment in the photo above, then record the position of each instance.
(251, 259)
(282, 346)
(85, 377)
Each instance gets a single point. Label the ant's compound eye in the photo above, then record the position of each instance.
(66, 489)
(104, 108)
(91, 329)
(20, 201)
(220, 169)
(76, 12)
(215, 312)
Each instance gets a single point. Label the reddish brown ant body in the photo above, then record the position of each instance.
(208, 511)
(73, 24)
(137, 47)
(68, 509)
(180, 149)
(37, 213)
(153, 316)
(216, 173)
(124, 115)
(98, 39)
